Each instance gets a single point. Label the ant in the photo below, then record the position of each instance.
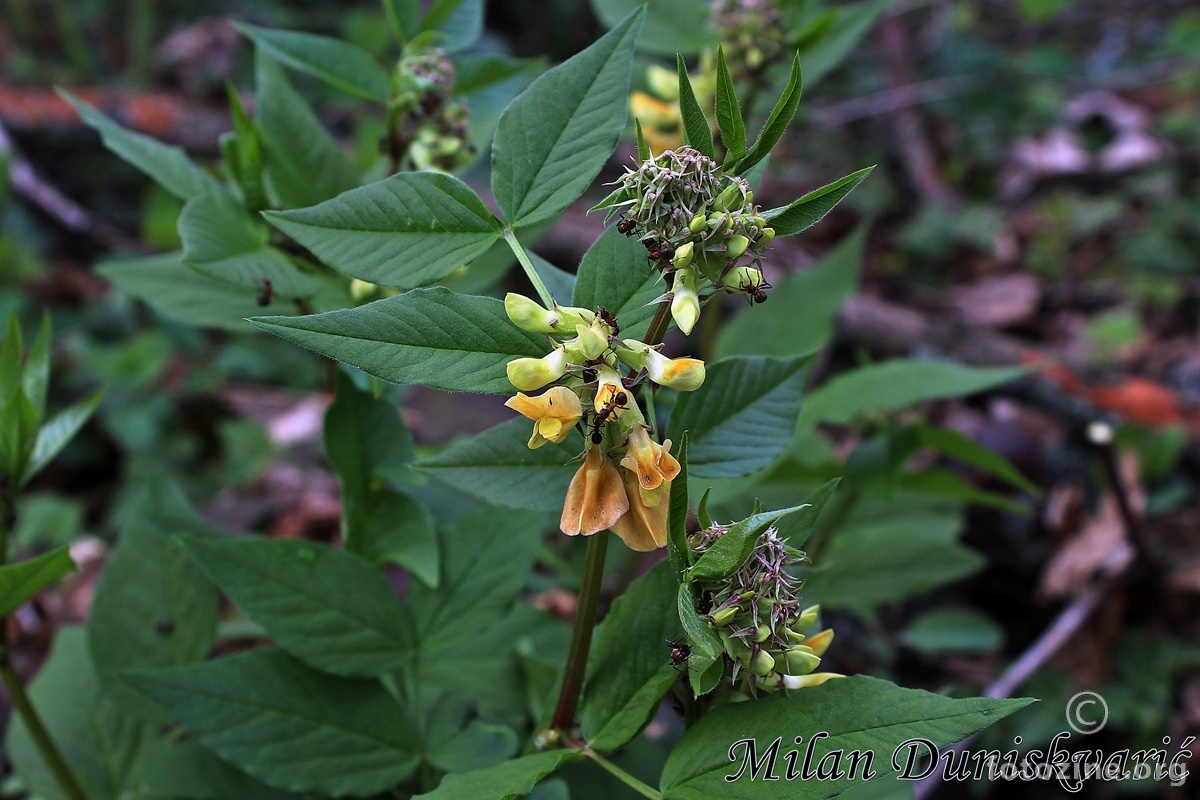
(266, 293)
(626, 226)
(619, 400)
(608, 319)
(680, 651)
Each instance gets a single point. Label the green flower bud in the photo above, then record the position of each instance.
(801, 660)
(806, 619)
(723, 616)
(530, 374)
(698, 223)
(793, 636)
(685, 300)
(527, 315)
(743, 279)
(765, 237)
(662, 82)
(736, 246)
(763, 663)
(733, 646)
(718, 224)
(762, 633)
(680, 374)
(589, 344)
(683, 255)
(730, 198)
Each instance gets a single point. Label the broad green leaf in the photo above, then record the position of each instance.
(409, 230)
(182, 293)
(341, 64)
(331, 609)
(857, 713)
(459, 23)
(433, 337)
(796, 528)
(507, 781)
(405, 16)
(707, 649)
(897, 384)
(479, 745)
(954, 444)
(777, 122)
(496, 466)
(153, 607)
(57, 431)
(614, 275)
(222, 241)
(97, 738)
(184, 770)
(953, 630)
(35, 379)
(677, 546)
(810, 209)
(727, 555)
(852, 23)
(671, 25)
(740, 419)
(729, 113)
(392, 526)
(554, 138)
(20, 581)
(475, 73)
(888, 551)
(168, 166)
(629, 669)
(799, 319)
(304, 165)
(695, 125)
(287, 725)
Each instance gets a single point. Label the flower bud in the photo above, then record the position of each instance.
(683, 255)
(801, 660)
(589, 344)
(527, 315)
(723, 616)
(806, 619)
(730, 198)
(762, 633)
(530, 374)
(733, 646)
(762, 664)
(736, 246)
(804, 681)
(820, 642)
(685, 300)
(718, 224)
(698, 223)
(765, 237)
(681, 374)
(743, 279)
(663, 82)
(611, 391)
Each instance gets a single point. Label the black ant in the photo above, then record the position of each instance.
(619, 400)
(625, 227)
(609, 320)
(680, 652)
(266, 293)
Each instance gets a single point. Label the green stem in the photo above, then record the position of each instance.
(527, 265)
(624, 777)
(16, 690)
(581, 635)
(658, 325)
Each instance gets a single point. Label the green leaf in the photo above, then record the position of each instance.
(409, 230)
(97, 738)
(729, 113)
(810, 209)
(287, 725)
(497, 467)
(405, 15)
(168, 166)
(857, 713)
(677, 546)
(244, 156)
(507, 781)
(777, 122)
(474, 73)
(852, 23)
(433, 337)
(392, 526)
(799, 319)
(727, 555)
(897, 384)
(707, 649)
(304, 165)
(797, 528)
(331, 609)
(340, 64)
(643, 149)
(459, 23)
(554, 138)
(60, 429)
(960, 447)
(888, 551)
(629, 668)
(11, 353)
(695, 125)
(613, 275)
(182, 293)
(953, 630)
(738, 420)
(18, 430)
(477, 746)
(222, 241)
(168, 764)
(153, 607)
(19, 582)
(35, 379)
(671, 25)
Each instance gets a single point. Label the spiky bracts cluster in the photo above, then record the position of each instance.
(758, 615)
(749, 32)
(430, 125)
(699, 226)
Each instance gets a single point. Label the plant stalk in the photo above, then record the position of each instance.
(581, 635)
(538, 284)
(624, 777)
(16, 690)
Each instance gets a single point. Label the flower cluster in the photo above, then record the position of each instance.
(431, 126)
(626, 476)
(749, 31)
(699, 226)
(757, 614)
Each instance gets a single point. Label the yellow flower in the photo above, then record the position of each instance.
(644, 526)
(680, 374)
(812, 679)
(531, 374)
(554, 413)
(596, 498)
(662, 124)
(609, 390)
(650, 461)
